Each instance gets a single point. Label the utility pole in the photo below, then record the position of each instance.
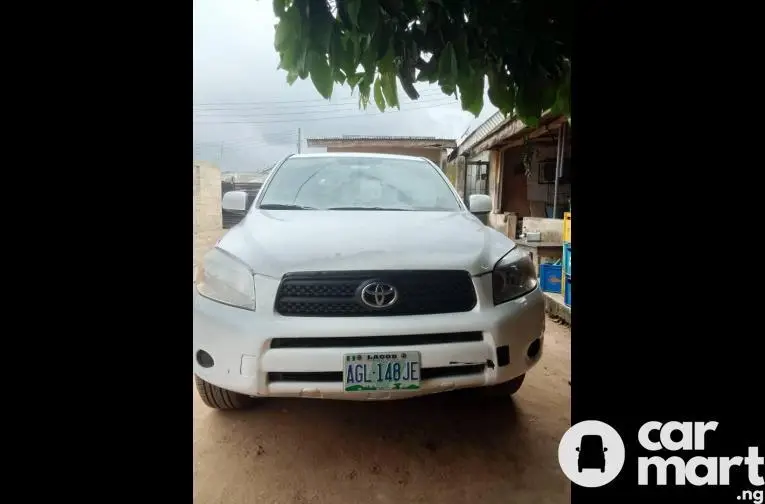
(300, 142)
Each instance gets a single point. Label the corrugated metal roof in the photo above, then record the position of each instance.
(517, 129)
(374, 139)
(381, 137)
(489, 125)
(502, 129)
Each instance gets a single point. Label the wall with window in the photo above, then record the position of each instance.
(541, 189)
(478, 175)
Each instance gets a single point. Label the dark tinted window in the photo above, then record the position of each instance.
(592, 443)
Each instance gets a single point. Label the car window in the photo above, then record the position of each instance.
(364, 183)
(591, 442)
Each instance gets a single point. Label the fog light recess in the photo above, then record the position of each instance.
(205, 359)
(534, 348)
(503, 356)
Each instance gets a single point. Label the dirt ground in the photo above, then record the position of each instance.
(447, 448)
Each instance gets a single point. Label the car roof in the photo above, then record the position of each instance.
(374, 155)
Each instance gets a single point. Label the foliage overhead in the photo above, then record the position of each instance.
(520, 48)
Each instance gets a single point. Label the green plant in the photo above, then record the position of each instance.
(521, 48)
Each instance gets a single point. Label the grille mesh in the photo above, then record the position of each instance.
(337, 294)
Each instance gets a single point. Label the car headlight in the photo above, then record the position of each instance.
(514, 275)
(225, 279)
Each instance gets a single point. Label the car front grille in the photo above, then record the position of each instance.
(338, 294)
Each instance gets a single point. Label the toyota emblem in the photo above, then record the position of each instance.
(377, 295)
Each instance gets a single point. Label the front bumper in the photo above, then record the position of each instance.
(507, 341)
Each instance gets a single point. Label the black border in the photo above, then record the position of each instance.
(103, 405)
(670, 103)
(664, 312)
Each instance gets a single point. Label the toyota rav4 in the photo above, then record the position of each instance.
(362, 277)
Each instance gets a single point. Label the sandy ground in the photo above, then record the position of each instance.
(448, 448)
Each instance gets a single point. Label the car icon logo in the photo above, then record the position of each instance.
(591, 453)
(582, 453)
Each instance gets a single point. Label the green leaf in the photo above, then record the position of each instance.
(407, 83)
(411, 8)
(379, 99)
(289, 58)
(340, 58)
(338, 76)
(471, 94)
(501, 93)
(562, 103)
(321, 75)
(353, 9)
(291, 78)
(529, 101)
(364, 87)
(279, 6)
(321, 24)
(368, 16)
(288, 26)
(464, 70)
(447, 68)
(353, 79)
(390, 89)
(383, 39)
(303, 64)
(369, 59)
(428, 71)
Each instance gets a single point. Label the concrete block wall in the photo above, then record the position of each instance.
(208, 221)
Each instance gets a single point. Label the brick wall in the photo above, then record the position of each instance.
(207, 208)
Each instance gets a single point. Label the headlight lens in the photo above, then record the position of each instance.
(513, 276)
(225, 279)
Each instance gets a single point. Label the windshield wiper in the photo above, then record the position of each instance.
(279, 206)
(369, 208)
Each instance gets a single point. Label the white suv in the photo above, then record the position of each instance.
(362, 277)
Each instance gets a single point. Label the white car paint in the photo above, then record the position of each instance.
(272, 243)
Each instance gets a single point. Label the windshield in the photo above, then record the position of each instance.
(592, 443)
(358, 183)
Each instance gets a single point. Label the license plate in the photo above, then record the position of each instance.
(363, 372)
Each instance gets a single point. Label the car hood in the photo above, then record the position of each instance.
(275, 242)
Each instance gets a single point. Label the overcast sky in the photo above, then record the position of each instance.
(245, 111)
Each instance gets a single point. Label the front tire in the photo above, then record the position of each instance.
(222, 399)
(507, 388)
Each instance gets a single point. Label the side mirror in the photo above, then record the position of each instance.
(235, 201)
(480, 203)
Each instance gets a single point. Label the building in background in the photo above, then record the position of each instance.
(468, 170)
(431, 148)
(528, 172)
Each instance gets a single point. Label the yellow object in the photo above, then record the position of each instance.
(567, 227)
